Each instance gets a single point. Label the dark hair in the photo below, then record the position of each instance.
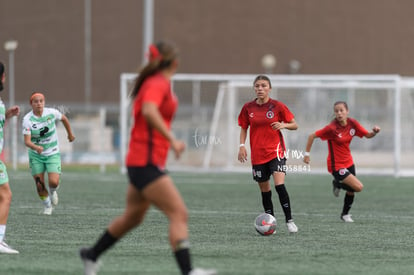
(161, 55)
(1, 76)
(341, 102)
(262, 77)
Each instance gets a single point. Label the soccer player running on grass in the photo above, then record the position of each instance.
(266, 117)
(5, 192)
(41, 139)
(339, 134)
(154, 106)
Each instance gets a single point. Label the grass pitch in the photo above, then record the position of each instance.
(222, 209)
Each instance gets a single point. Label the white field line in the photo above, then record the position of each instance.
(215, 212)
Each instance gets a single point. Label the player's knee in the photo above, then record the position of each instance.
(6, 197)
(358, 187)
(54, 182)
(53, 185)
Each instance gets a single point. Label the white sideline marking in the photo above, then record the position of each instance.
(215, 212)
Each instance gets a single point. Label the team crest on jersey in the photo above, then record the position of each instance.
(270, 114)
(343, 171)
(251, 115)
(352, 132)
(34, 126)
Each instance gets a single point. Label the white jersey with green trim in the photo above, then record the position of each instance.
(43, 130)
(2, 121)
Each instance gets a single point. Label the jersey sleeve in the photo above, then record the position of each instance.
(58, 115)
(324, 133)
(26, 127)
(360, 131)
(154, 92)
(243, 118)
(285, 113)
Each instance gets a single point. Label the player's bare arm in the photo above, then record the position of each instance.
(66, 124)
(374, 132)
(311, 138)
(291, 125)
(152, 115)
(28, 142)
(242, 156)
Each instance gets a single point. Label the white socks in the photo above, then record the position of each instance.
(2, 232)
(46, 201)
(52, 189)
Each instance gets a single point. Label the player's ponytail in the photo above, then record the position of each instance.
(160, 56)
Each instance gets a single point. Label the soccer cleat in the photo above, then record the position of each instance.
(55, 198)
(291, 226)
(90, 267)
(47, 210)
(336, 188)
(347, 218)
(200, 271)
(6, 249)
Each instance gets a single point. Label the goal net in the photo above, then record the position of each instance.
(209, 105)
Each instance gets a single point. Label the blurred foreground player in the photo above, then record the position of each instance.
(154, 106)
(5, 192)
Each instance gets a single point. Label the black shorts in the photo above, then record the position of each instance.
(342, 173)
(141, 176)
(262, 172)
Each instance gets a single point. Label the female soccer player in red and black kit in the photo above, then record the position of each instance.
(154, 106)
(266, 118)
(339, 134)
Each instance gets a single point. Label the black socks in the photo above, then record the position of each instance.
(267, 202)
(104, 243)
(182, 256)
(284, 201)
(348, 200)
(182, 251)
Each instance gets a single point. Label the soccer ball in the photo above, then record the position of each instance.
(265, 224)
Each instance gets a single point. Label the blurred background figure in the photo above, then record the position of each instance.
(5, 192)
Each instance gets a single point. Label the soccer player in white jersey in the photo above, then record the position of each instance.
(5, 193)
(39, 130)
